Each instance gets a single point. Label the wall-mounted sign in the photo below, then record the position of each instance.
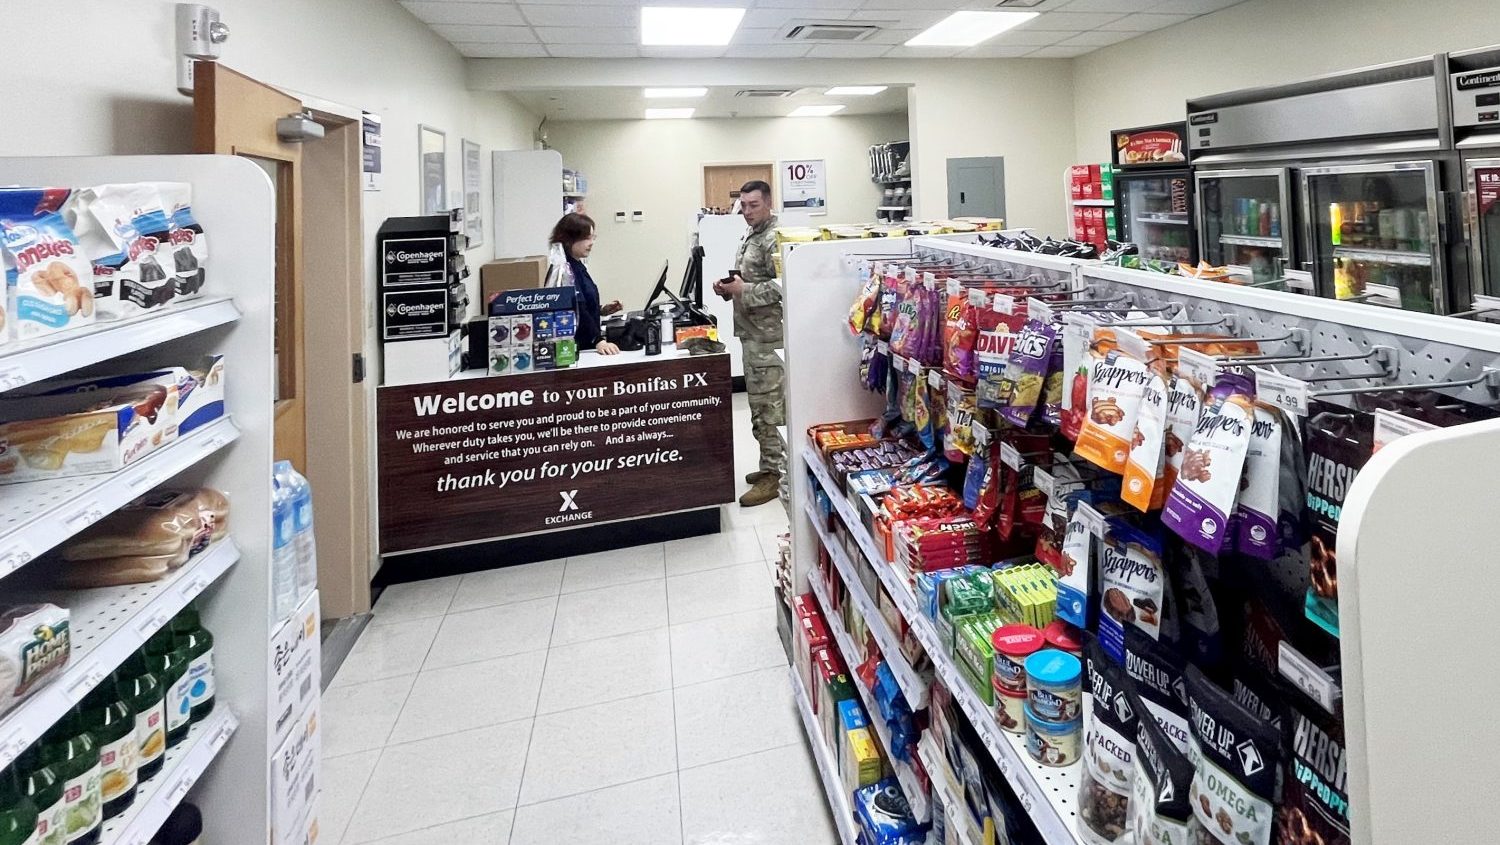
(370, 145)
(804, 186)
(473, 198)
(482, 459)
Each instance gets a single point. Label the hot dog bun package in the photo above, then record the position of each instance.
(48, 280)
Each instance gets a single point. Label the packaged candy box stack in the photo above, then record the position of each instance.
(1128, 558)
(532, 330)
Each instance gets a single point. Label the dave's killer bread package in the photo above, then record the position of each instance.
(47, 277)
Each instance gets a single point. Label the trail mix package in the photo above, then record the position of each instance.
(1202, 500)
(1117, 385)
(1315, 797)
(1109, 729)
(48, 280)
(866, 303)
(1132, 585)
(1159, 809)
(1237, 767)
(1157, 673)
(1257, 510)
(1338, 444)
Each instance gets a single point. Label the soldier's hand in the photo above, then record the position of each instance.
(733, 286)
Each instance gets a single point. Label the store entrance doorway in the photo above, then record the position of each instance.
(721, 182)
(321, 412)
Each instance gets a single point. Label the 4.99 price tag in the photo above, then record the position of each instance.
(1287, 393)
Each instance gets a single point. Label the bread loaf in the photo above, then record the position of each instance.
(119, 571)
(160, 523)
(213, 505)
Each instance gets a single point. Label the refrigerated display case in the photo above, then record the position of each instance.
(1373, 232)
(1474, 89)
(1154, 191)
(1241, 216)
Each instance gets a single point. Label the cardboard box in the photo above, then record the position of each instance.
(512, 274)
(296, 668)
(295, 782)
(84, 433)
(861, 759)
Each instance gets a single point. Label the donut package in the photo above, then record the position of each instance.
(49, 282)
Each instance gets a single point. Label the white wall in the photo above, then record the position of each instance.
(116, 93)
(1262, 42)
(656, 166)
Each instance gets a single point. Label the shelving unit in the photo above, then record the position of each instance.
(1163, 218)
(224, 767)
(833, 785)
(1251, 240)
(1404, 258)
(945, 788)
(1094, 203)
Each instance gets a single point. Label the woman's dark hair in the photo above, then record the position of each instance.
(571, 229)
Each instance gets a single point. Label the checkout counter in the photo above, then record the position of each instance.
(479, 471)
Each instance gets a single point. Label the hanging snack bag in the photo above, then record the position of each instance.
(49, 283)
(1157, 674)
(904, 317)
(1257, 508)
(1236, 768)
(1184, 407)
(1200, 503)
(1132, 585)
(1109, 730)
(1159, 809)
(1315, 798)
(1145, 467)
(1338, 444)
(1026, 372)
(1053, 389)
(958, 445)
(1076, 567)
(1117, 385)
(865, 304)
(1077, 333)
(959, 332)
(1201, 637)
(1291, 490)
(133, 217)
(999, 331)
(188, 244)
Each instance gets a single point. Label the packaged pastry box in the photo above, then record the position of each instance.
(103, 424)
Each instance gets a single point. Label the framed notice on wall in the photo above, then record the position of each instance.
(432, 146)
(804, 186)
(473, 209)
(370, 150)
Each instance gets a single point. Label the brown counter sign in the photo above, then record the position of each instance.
(482, 459)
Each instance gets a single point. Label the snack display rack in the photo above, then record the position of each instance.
(828, 772)
(223, 767)
(1425, 497)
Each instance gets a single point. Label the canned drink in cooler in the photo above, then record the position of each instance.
(1401, 221)
(1387, 228)
(1421, 220)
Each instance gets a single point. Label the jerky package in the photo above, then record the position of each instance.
(1201, 502)
(1315, 798)
(1109, 729)
(1159, 810)
(1158, 677)
(1338, 444)
(1132, 585)
(1236, 768)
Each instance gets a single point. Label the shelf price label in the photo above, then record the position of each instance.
(1009, 456)
(1004, 304)
(12, 746)
(85, 516)
(153, 623)
(882, 347)
(1091, 518)
(13, 376)
(90, 677)
(1287, 393)
(935, 379)
(1309, 677)
(1044, 482)
(17, 555)
(192, 588)
(1202, 369)
(1038, 310)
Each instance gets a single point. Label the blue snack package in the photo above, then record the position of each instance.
(50, 282)
(883, 815)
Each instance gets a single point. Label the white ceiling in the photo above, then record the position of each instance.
(629, 104)
(609, 29)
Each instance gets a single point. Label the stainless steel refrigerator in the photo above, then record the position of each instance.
(1360, 169)
(1474, 98)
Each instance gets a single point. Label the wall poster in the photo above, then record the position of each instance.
(804, 186)
(370, 148)
(432, 149)
(473, 204)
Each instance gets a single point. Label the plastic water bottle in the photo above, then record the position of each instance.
(283, 550)
(302, 527)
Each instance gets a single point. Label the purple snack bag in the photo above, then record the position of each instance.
(1199, 507)
(1026, 372)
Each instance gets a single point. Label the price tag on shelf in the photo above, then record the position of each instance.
(1044, 482)
(981, 435)
(226, 730)
(977, 297)
(143, 481)
(153, 623)
(954, 288)
(935, 379)
(1027, 802)
(1091, 518)
(882, 347)
(1133, 344)
(1202, 369)
(1287, 393)
(914, 367)
(190, 590)
(12, 746)
(90, 677)
(84, 517)
(15, 556)
(1309, 677)
(1009, 456)
(1004, 304)
(217, 442)
(181, 787)
(13, 376)
(1038, 310)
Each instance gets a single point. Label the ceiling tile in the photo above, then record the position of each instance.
(1061, 52)
(1070, 21)
(501, 51)
(995, 50)
(902, 5)
(683, 52)
(1146, 23)
(1111, 5)
(594, 51)
(903, 18)
(758, 36)
(776, 18)
(892, 36)
(474, 34)
(925, 52)
(1193, 7)
(1097, 38)
(767, 51)
(571, 16)
(499, 14)
(588, 35)
(632, 4)
(1028, 38)
(809, 5)
(848, 51)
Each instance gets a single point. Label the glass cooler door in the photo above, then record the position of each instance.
(1373, 233)
(1156, 214)
(1483, 178)
(1242, 220)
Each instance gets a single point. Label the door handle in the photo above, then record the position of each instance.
(962, 197)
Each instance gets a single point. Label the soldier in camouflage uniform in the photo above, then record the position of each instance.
(758, 325)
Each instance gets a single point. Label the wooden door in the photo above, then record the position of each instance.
(721, 182)
(236, 115)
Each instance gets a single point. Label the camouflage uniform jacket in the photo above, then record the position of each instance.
(757, 311)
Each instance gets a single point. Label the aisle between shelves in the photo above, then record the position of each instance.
(833, 785)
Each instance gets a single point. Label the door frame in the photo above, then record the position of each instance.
(703, 176)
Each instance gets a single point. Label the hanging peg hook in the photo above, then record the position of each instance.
(1489, 377)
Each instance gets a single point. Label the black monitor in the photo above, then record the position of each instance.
(661, 288)
(692, 278)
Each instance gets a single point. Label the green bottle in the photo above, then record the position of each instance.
(143, 691)
(112, 723)
(17, 812)
(189, 632)
(45, 789)
(170, 665)
(70, 750)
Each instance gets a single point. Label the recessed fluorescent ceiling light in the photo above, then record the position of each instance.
(668, 114)
(855, 90)
(965, 29)
(672, 26)
(675, 93)
(815, 111)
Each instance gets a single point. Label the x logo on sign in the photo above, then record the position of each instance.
(570, 500)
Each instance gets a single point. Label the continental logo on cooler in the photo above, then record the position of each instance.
(425, 309)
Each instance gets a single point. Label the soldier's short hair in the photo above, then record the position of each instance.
(756, 185)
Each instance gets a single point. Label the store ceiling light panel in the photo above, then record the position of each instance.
(789, 29)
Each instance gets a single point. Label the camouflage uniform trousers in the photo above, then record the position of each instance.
(764, 386)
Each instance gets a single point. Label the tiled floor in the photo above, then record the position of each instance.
(637, 697)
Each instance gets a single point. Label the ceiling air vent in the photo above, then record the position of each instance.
(763, 93)
(841, 33)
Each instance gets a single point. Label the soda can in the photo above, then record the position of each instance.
(1422, 221)
(1387, 229)
(1401, 222)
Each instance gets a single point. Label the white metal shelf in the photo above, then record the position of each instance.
(1163, 218)
(1094, 203)
(916, 796)
(1403, 258)
(34, 360)
(945, 785)
(107, 625)
(1250, 240)
(155, 799)
(913, 685)
(36, 516)
(1048, 794)
(894, 208)
(833, 785)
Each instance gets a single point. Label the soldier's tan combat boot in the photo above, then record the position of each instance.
(757, 475)
(765, 490)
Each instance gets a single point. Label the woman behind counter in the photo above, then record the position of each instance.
(575, 232)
